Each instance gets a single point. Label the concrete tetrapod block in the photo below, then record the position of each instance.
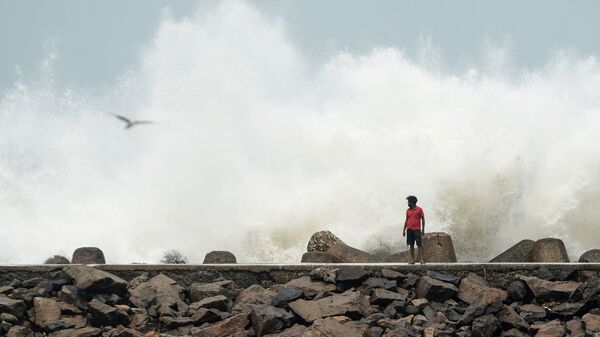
(592, 255)
(437, 247)
(322, 241)
(342, 253)
(88, 255)
(400, 257)
(549, 250)
(317, 257)
(520, 252)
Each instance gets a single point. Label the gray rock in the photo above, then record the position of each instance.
(13, 307)
(444, 277)
(485, 326)
(267, 319)
(92, 280)
(566, 309)
(286, 295)
(204, 315)
(488, 303)
(544, 290)
(381, 296)
(82, 332)
(32, 282)
(219, 257)
(105, 315)
(326, 274)
(226, 288)
(322, 241)
(352, 274)
(435, 290)
(575, 328)
(253, 295)
(592, 322)
(19, 331)
(376, 282)
(350, 303)
(218, 302)
(161, 294)
(307, 285)
(520, 252)
(517, 291)
(317, 257)
(47, 310)
(532, 312)
(510, 319)
(226, 327)
(549, 250)
(88, 255)
(592, 255)
(57, 259)
(474, 286)
(9, 318)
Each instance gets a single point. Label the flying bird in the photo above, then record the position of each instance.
(131, 123)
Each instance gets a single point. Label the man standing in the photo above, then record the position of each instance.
(415, 224)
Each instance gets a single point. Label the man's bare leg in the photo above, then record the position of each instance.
(420, 254)
(412, 254)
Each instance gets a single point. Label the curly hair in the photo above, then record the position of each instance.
(412, 199)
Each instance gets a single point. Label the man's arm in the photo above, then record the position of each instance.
(404, 229)
(423, 224)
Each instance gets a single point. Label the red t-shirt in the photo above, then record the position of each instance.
(413, 218)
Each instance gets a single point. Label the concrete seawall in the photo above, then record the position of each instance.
(269, 274)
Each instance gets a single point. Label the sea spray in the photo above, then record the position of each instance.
(254, 149)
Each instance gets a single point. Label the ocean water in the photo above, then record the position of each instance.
(255, 148)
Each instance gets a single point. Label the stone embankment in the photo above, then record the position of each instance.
(301, 300)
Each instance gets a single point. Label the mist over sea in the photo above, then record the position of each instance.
(256, 147)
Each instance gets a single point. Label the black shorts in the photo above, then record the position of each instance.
(413, 236)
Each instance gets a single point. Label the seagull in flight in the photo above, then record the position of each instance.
(131, 123)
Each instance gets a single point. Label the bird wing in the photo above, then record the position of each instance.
(143, 122)
(124, 119)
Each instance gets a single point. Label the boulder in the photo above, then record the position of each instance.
(19, 331)
(327, 274)
(377, 282)
(592, 255)
(550, 329)
(11, 306)
(338, 326)
(545, 290)
(129, 333)
(444, 277)
(575, 328)
(532, 312)
(308, 286)
(592, 322)
(510, 319)
(57, 259)
(226, 327)
(351, 274)
(88, 255)
(218, 302)
(317, 257)
(520, 252)
(549, 250)
(485, 326)
(322, 241)
(46, 310)
(489, 302)
(267, 319)
(82, 332)
(350, 303)
(286, 295)
(219, 257)
(517, 291)
(92, 280)
(381, 296)
(204, 315)
(104, 315)
(474, 286)
(160, 293)
(342, 253)
(432, 289)
(226, 288)
(438, 247)
(252, 295)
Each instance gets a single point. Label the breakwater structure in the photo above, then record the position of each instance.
(374, 299)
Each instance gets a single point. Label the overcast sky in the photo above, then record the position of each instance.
(98, 40)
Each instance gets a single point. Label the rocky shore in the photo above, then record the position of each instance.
(330, 300)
